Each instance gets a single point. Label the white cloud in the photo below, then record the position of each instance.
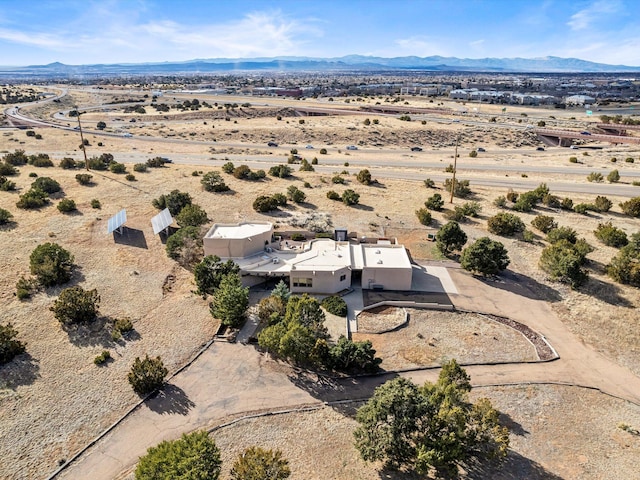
(584, 18)
(418, 45)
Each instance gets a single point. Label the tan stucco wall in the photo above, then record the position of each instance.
(389, 278)
(236, 248)
(323, 281)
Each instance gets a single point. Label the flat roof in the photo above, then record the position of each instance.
(385, 256)
(238, 230)
(324, 254)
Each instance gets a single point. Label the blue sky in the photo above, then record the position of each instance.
(117, 31)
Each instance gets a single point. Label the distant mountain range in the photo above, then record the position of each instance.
(301, 64)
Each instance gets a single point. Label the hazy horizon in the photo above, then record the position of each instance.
(139, 31)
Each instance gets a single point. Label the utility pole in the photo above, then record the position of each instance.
(84, 150)
(455, 163)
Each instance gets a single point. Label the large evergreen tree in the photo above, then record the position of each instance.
(230, 301)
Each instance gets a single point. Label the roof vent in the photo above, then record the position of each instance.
(379, 261)
(377, 251)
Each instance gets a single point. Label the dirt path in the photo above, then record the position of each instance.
(229, 380)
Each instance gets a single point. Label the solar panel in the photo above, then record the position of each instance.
(117, 221)
(161, 221)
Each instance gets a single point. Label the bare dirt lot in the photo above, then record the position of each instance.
(53, 400)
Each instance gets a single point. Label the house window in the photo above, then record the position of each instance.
(343, 277)
(303, 282)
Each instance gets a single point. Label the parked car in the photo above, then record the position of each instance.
(127, 135)
(272, 144)
(416, 149)
(351, 147)
(574, 147)
(481, 150)
(309, 147)
(585, 133)
(540, 149)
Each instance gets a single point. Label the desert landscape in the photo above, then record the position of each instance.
(54, 400)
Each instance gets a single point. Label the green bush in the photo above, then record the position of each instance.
(95, 203)
(33, 198)
(526, 202)
(485, 256)
(551, 201)
(140, 167)
(256, 464)
(76, 305)
(450, 237)
(305, 166)
(182, 243)
(610, 235)
(335, 305)
(424, 216)
(461, 189)
(66, 205)
(280, 171)
(544, 223)
(434, 202)
(471, 209)
(156, 162)
(567, 204)
(228, 167)
(473, 154)
(230, 301)
(583, 208)
(147, 375)
(555, 235)
(7, 169)
(7, 185)
(631, 207)
(192, 216)
(349, 197)
(512, 196)
(241, 172)
(40, 160)
(364, 177)
(84, 178)
(500, 201)
(264, 204)
(338, 179)
(595, 177)
(210, 271)
(295, 194)
(563, 263)
(333, 195)
(280, 199)
(130, 177)
(9, 346)
(174, 201)
(506, 224)
(353, 357)
(602, 204)
(625, 266)
(613, 177)
(629, 160)
(429, 183)
(51, 264)
(102, 358)
(68, 163)
(5, 216)
(213, 182)
(323, 151)
(46, 184)
(116, 167)
(573, 159)
(16, 158)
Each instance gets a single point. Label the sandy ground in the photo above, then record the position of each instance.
(48, 410)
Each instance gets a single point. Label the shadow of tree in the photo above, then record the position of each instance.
(89, 334)
(360, 206)
(170, 400)
(7, 226)
(514, 467)
(523, 285)
(22, 370)
(605, 292)
(513, 426)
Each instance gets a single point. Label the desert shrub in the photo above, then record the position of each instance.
(629, 160)
(449, 168)
(264, 203)
(280, 199)
(305, 166)
(156, 162)
(595, 177)
(323, 151)
(256, 463)
(46, 184)
(563, 263)
(210, 271)
(333, 195)
(147, 375)
(610, 235)
(40, 160)
(540, 191)
(7, 185)
(364, 177)
(602, 204)
(25, 288)
(583, 208)
(429, 183)
(213, 182)
(175, 201)
(96, 164)
(528, 236)
(281, 171)
(613, 160)
(101, 125)
(76, 305)
(461, 189)
(314, 161)
(33, 198)
(544, 223)
(5, 216)
(625, 266)
(456, 215)
(256, 175)
(567, 204)
(306, 185)
(295, 194)
(424, 216)
(66, 205)
(298, 237)
(84, 178)
(7, 169)
(551, 201)
(471, 209)
(51, 264)
(68, 163)
(140, 167)
(613, 177)
(100, 359)
(350, 197)
(450, 237)
(122, 325)
(9, 346)
(473, 154)
(241, 172)
(562, 233)
(434, 202)
(228, 167)
(353, 357)
(230, 301)
(192, 216)
(506, 224)
(16, 158)
(95, 203)
(33, 175)
(526, 202)
(130, 177)
(631, 207)
(500, 201)
(485, 256)
(337, 179)
(573, 159)
(512, 196)
(182, 244)
(335, 305)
